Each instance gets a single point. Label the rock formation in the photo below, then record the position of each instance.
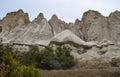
(92, 27)
(87, 19)
(114, 23)
(57, 24)
(76, 28)
(14, 19)
(67, 37)
(94, 36)
(13, 24)
(16, 27)
(38, 30)
(105, 28)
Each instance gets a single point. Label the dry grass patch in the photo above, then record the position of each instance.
(93, 63)
(110, 72)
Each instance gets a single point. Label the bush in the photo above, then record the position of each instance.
(10, 65)
(64, 57)
(23, 64)
(3, 70)
(59, 58)
(46, 58)
(29, 58)
(1, 53)
(25, 71)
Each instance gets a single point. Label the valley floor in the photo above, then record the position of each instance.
(109, 72)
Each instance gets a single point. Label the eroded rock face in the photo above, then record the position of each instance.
(39, 18)
(13, 24)
(14, 19)
(103, 32)
(76, 28)
(99, 30)
(105, 28)
(57, 24)
(114, 23)
(92, 27)
(90, 15)
(87, 19)
(39, 29)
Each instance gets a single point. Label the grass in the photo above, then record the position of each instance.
(109, 72)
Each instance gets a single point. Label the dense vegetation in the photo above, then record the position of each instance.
(11, 66)
(59, 58)
(27, 64)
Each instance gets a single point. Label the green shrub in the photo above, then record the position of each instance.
(46, 58)
(64, 57)
(59, 58)
(3, 70)
(1, 53)
(9, 60)
(25, 71)
(29, 58)
(10, 64)
(22, 64)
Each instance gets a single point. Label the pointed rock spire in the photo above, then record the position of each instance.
(39, 18)
(115, 14)
(16, 18)
(90, 15)
(77, 22)
(20, 11)
(54, 17)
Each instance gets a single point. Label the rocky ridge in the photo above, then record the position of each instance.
(92, 36)
(92, 27)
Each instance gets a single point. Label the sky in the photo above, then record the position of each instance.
(67, 10)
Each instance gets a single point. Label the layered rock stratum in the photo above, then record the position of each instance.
(16, 27)
(95, 31)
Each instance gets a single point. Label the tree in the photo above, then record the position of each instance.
(30, 58)
(46, 58)
(59, 58)
(11, 66)
(64, 57)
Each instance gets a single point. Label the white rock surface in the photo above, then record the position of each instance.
(67, 36)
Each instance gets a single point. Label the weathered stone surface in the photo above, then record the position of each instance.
(90, 15)
(39, 18)
(37, 31)
(12, 25)
(76, 28)
(105, 28)
(14, 19)
(99, 30)
(114, 23)
(67, 36)
(111, 51)
(87, 19)
(92, 27)
(57, 24)
(102, 32)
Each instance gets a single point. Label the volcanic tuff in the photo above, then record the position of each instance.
(16, 27)
(57, 24)
(92, 37)
(39, 29)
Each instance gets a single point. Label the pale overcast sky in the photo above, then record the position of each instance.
(67, 10)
